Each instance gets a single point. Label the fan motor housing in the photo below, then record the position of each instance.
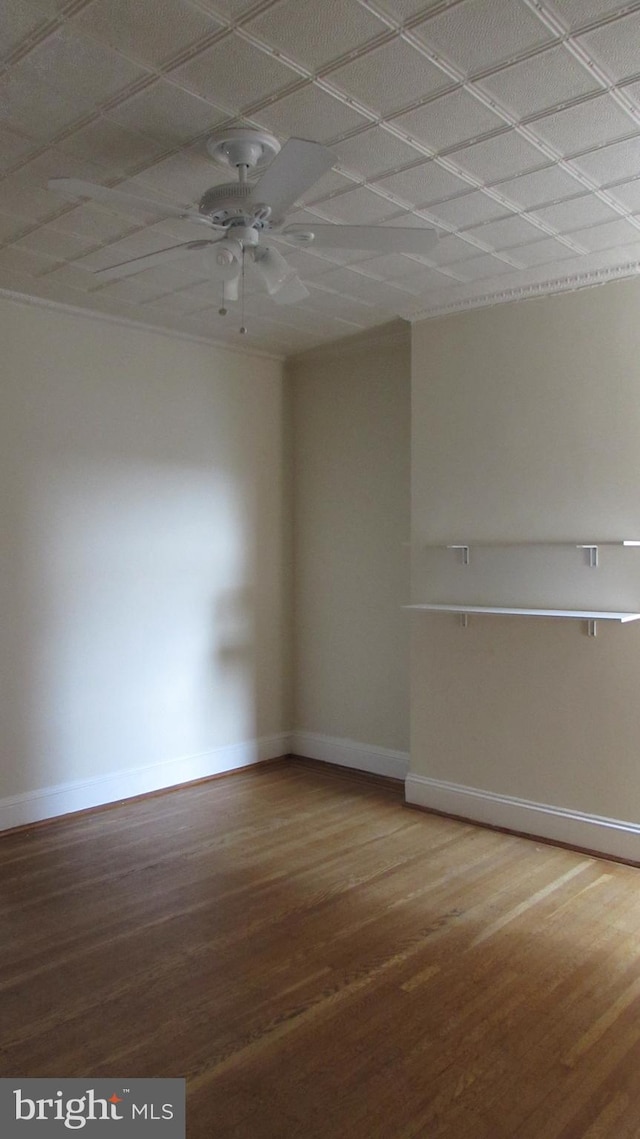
(230, 205)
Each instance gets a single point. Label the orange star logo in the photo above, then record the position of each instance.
(115, 1098)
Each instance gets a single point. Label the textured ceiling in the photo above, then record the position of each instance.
(513, 126)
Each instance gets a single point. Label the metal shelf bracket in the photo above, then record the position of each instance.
(465, 556)
(592, 552)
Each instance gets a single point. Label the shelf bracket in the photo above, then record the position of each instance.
(465, 556)
(592, 628)
(463, 619)
(592, 552)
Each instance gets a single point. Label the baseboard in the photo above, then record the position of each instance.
(80, 795)
(613, 837)
(350, 753)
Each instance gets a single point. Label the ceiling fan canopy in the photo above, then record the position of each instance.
(245, 217)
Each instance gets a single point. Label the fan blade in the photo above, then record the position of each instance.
(149, 261)
(298, 165)
(76, 188)
(384, 239)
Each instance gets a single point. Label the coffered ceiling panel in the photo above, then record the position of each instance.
(454, 248)
(481, 268)
(597, 121)
(477, 34)
(29, 110)
(424, 184)
(446, 122)
(98, 225)
(409, 77)
(233, 74)
(10, 227)
(508, 232)
(468, 209)
(18, 20)
(228, 10)
(388, 268)
(404, 9)
(14, 147)
(627, 194)
(540, 83)
(411, 219)
(313, 113)
(546, 252)
(578, 13)
(316, 34)
(632, 93)
(116, 148)
(606, 165)
(180, 178)
(551, 184)
(500, 157)
(358, 207)
(510, 127)
(576, 213)
(427, 281)
(615, 46)
(168, 114)
(75, 65)
(54, 243)
(608, 236)
(373, 151)
(25, 262)
(148, 30)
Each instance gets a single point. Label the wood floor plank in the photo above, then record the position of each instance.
(319, 961)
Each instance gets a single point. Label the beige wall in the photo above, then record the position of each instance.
(146, 555)
(142, 547)
(351, 431)
(526, 426)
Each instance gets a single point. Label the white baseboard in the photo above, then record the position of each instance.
(349, 753)
(614, 837)
(50, 802)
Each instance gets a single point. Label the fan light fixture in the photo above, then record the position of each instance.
(244, 218)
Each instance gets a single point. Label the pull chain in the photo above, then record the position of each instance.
(243, 329)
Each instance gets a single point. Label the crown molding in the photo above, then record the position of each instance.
(365, 338)
(129, 322)
(525, 292)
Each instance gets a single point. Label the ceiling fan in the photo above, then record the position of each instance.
(244, 217)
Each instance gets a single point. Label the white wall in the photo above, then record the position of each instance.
(143, 561)
(526, 425)
(351, 467)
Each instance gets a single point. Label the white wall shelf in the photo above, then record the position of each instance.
(578, 614)
(591, 616)
(579, 544)
(591, 547)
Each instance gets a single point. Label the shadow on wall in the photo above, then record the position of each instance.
(140, 476)
(233, 617)
(131, 625)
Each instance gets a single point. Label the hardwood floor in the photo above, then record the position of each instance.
(321, 962)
